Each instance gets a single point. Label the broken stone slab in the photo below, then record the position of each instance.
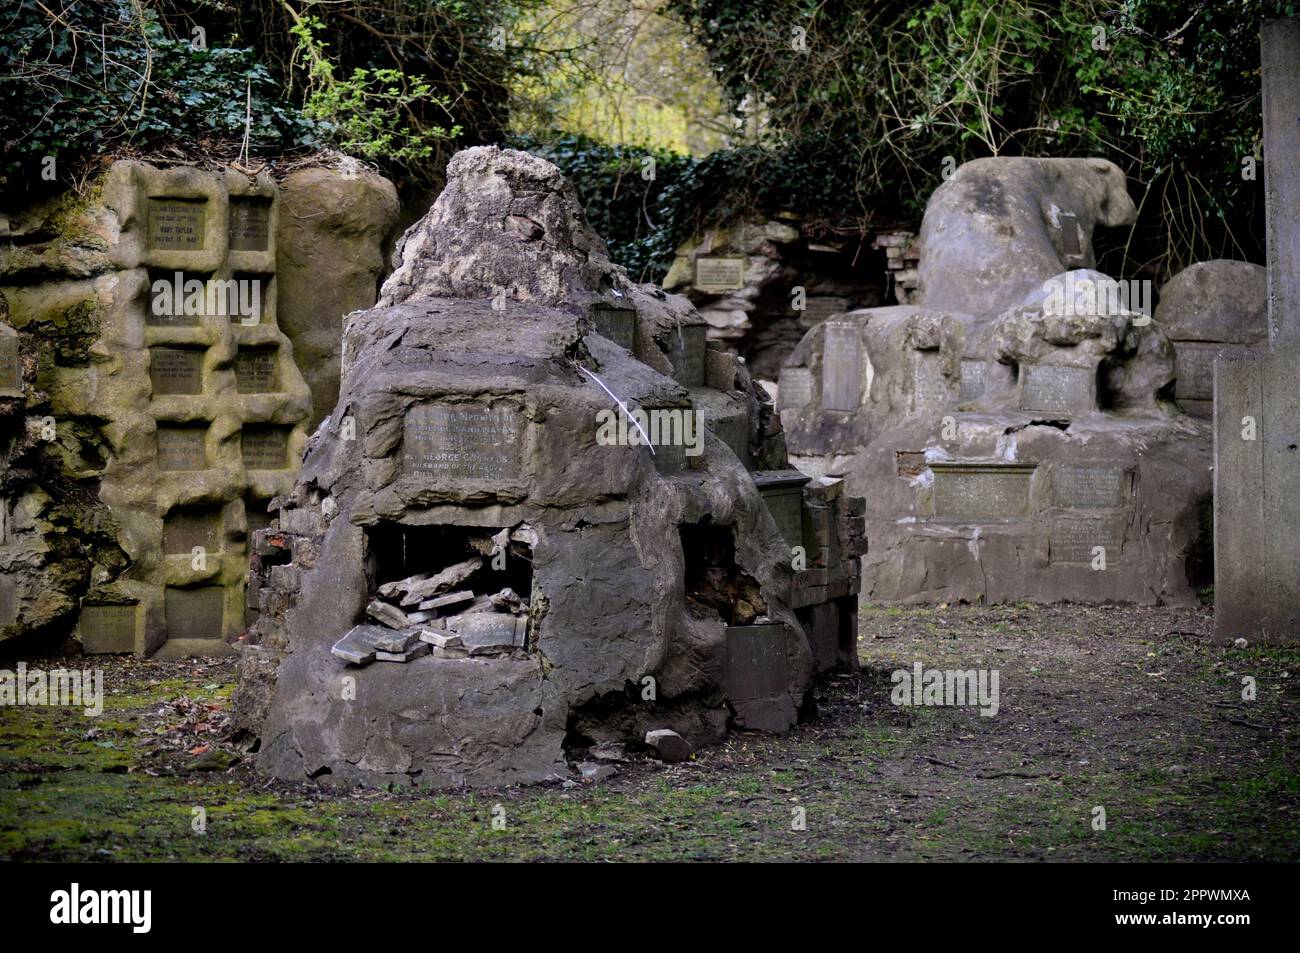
(450, 599)
(609, 751)
(440, 640)
(389, 615)
(451, 576)
(591, 771)
(670, 746)
(415, 651)
(488, 632)
(360, 644)
(508, 600)
(390, 641)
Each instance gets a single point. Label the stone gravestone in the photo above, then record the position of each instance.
(981, 492)
(1055, 389)
(463, 441)
(820, 307)
(1257, 398)
(841, 366)
(11, 373)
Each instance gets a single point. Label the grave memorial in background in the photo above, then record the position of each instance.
(1257, 396)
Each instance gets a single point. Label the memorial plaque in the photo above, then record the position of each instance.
(1075, 541)
(841, 366)
(687, 346)
(1194, 367)
(972, 380)
(176, 370)
(108, 629)
(820, 307)
(782, 491)
(756, 665)
(255, 370)
(794, 388)
(250, 224)
(166, 303)
(186, 528)
(463, 441)
(732, 430)
(264, 447)
(177, 224)
(1056, 389)
(1070, 245)
(11, 369)
(8, 600)
(617, 324)
(929, 388)
(975, 492)
(719, 275)
(1090, 486)
(195, 613)
(182, 448)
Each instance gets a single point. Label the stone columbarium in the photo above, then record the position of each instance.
(1014, 432)
(483, 566)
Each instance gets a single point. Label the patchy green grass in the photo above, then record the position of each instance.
(1123, 709)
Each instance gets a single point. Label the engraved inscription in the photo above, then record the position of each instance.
(841, 366)
(250, 224)
(264, 448)
(794, 389)
(972, 380)
(177, 224)
(1057, 390)
(1075, 541)
(255, 370)
(8, 599)
(1194, 367)
(465, 441)
(176, 370)
(11, 374)
(1087, 486)
(718, 275)
(194, 613)
(617, 324)
(107, 629)
(981, 491)
(181, 448)
(786, 506)
(929, 389)
(756, 663)
(1070, 245)
(186, 528)
(687, 355)
(820, 307)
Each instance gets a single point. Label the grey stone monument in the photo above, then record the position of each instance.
(1257, 397)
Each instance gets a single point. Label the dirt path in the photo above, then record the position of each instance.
(1123, 709)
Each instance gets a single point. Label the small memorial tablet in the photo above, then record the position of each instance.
(972, 380)
(1070, 245)
(841, 366)
(8, 599)
(929, 388)
(794, 388)
(976, 492)
(182, 448)
(756, 663)
(617, 324)
(463, 441)
(177, 224)
(719, 275)
(250, 224)
(820, 307)
(176, 370)
(255, 370)
(264, 447)
(1083, 541)
(686, 353)
(194, 613)
(185, 529)
(1090, 486)
(1056, 389)
(11, 370)
(169, 293)
(107, 629)
(1194, 367)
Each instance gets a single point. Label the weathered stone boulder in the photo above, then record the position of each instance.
(624, 583)
(1209, 308)
(333, 235)
(1000, 227)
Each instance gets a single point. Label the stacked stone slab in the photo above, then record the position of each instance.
(160, 431)
(1257, 396)
(659, 585)
(1014, 438)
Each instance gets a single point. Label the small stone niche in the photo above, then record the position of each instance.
(196, 614)
(715, 583)
(258, 292)
(180, 301)
(185, 528)
(177, 224)
(182, 447)
(264, 447)
(250, 223)
(255, 370)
